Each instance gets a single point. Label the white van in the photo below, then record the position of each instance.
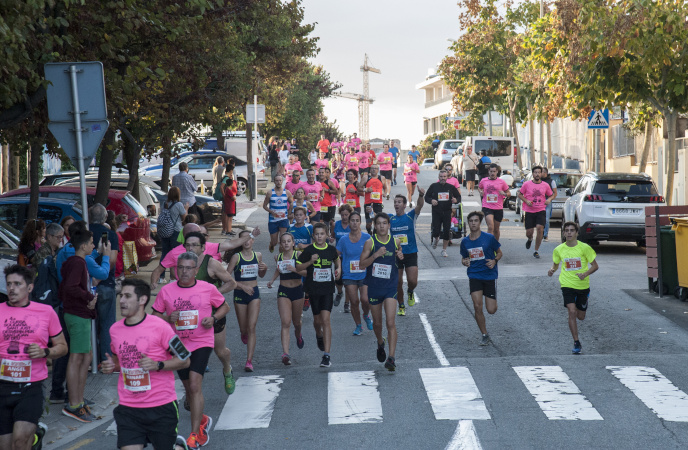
(500, 150)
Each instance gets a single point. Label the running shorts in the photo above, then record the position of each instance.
(387, 174)
(577, 296)
(316, 217)
(537, 218)
(410, 260)
(19, 402)
(378, 297)
(489, 287)
(358, 283)
(242, 298)
(138, 426)
(292, 293)
(79, 330)
(199, 361)
(321, 302)
(498, 214)
(273, 227)
(365, 170)
(220, 325)
(470, 175)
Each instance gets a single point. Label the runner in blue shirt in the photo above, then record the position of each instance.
(414, 154)
(350, 248)
(480, 252)
(341, 229)
(302, 231)
(403, 228)
(394, 151)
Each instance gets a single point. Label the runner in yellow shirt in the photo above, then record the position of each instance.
(578, 264)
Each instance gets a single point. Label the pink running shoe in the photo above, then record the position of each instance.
(249, 366)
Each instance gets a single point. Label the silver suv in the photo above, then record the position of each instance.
(445, 152)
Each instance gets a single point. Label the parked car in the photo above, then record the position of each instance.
(611, 206)
(428, 162)
(9, 249)
(445, 151)
(56, 178)
(209, 208)
(137, 228)
(565, 179)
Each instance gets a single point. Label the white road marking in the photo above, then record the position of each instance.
(353, 397)
(453, 394)
(433, 342)
(470, 204)
(558, 396)
(252, 403)
(655, 390)
(465, 437)
(244, 214)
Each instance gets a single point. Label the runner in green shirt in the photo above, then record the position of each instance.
(579, 263)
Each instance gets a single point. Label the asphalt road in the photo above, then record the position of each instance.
(525, 390)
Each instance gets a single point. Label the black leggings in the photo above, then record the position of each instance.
(441, 219)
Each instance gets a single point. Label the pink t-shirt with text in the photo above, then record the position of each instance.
(492, 199)
(385, 160)
(292, 187)
(321, 163)
(363, 160)
(289, 168)
(357, 142)
(313, 193)
(410, 174)
(35, 323)
(136, 387)
(170, 259)
(536, 193)
(351, 161)
(194, 303)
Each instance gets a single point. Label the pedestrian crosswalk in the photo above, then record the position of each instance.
(355, 397)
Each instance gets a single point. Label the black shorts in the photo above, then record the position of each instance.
(316, 217)
(386, 173)
(139, 426)
(577, 296)
(413, 183)
(364, 170)
(470, 175)
(410, 260)
(321, 302)
(377, 208)
(394, 165)
(498, 214)
(325, 214)
(292, 293)
(242, 298)
(220, 325)
(19, 402)
(489, 287)
(199, 361)
(537, 218)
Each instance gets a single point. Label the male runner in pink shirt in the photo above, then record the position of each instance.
(493, 190)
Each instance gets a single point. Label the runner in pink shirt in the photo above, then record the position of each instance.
(386, 159)
(187, 305)
(411, 171)
(363, 162)
(535, 196)
(140, 345)
(292, 165)
(26, 328)
(321, 162)
(356, 141)
(294, 182)
(493, 190)
(351, 159)
(314, 192)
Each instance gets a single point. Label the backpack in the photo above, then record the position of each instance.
(217, 193)
(46, 285)
(165, 223)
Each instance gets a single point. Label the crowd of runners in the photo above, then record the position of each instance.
(320, 253)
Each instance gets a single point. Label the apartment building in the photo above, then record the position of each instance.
(438, 102)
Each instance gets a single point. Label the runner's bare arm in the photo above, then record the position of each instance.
(304, 265)
(231, 244)
(108, 365)
(172, 318)
(553, 269)
(216, 270)
(370, 256)
(222, 311)
(421, 200)
(593, 268)
(523, 199)
(262, 267)
(59, 348)
(170, 364)
(311, 209)
(266, 203)
(155, 276)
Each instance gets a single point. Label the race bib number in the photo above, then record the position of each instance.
(382, 270)
(572, 264)
(387, 160)
(351, 201)
(188, 320)
(491, 198)
(324, 208)
(136, 379)
(249, 270)
(403, 239)
(284, 264)
(354, 266)
(15, 371)
(443, 196)
(375, 196)
(313, 196)
(280, 215)
(353, 160)
(476, 253)
(322, 275)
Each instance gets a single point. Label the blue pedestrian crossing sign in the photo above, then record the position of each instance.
(598, 119)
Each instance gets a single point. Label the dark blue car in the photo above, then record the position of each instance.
(14, 210)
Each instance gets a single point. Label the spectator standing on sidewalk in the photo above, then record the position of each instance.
(313, 157)
(187, 188)
(229, 195)
(273, 157)
(218, 173)
(177, 213)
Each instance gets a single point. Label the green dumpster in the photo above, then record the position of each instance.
(668, 261)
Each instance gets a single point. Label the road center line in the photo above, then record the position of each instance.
(433, 342)
(465, 437)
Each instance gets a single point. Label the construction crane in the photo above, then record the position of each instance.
(364, 101)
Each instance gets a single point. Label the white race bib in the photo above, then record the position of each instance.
(322, 275)
(476, 253)
(382, 270)
(188, 320)
(284, 264)
(491, 198)
(443, 196)
(15, 371)
(136, 379)
(354, 266)
(249, 270)
(572, 264)
(313, 196)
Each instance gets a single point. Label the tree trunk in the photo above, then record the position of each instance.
(166, 162)
(531, 141)
(549, 142)
(670, 119)
(5, 163)
(107, 156)
(34, 158)
(489, 123)
(132, 152)
(15, 161)
(649, 129)
(514, 131)
(220, 140)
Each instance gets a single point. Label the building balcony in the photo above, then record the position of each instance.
(431, 103)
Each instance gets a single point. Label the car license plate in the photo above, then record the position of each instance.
(627, 211)
(557, 205)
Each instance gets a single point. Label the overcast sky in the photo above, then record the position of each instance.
(402, 38)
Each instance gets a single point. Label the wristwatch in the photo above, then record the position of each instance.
(161, 365)
(214, 319)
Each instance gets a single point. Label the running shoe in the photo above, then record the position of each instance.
(390, 364)
(306, 304)
(325, 361)
(358, 330)
(485, 340)
(249, 366)
(402, 310)
(299, 341)
(38, 437)
(536, 255)
(79, 413)
(271, 248)
(577, 347)
(368, 321)
(545, 238)
(444, 253)
(57, 399)
(346, 308)
(381, 353)
(181, 442)
(230, 383)
(286, 359)
(244, 339)
(192, 443)
(387, 196)
(321, 343)
(411, 299)
(528, 243)
(337, 299)
(203, 437)
(434, 244)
